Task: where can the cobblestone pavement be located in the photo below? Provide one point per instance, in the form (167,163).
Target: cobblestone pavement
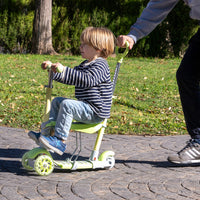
(141,171)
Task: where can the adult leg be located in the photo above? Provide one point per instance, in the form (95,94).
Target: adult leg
(188,78)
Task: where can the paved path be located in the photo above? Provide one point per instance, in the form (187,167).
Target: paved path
(141,171)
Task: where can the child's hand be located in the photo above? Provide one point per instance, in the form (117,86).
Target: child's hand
(57,67)
(46,64)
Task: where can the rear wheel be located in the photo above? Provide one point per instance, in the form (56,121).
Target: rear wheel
(111,161)
(108,158)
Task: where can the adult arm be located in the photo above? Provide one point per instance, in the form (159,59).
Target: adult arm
(154,13)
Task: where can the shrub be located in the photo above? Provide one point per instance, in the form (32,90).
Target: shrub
(16,26)
(70,17)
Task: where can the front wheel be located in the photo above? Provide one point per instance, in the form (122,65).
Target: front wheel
(25,161)
(44,165)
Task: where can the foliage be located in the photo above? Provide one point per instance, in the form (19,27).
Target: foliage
(171,37)
(70,17)
(16,26)
(147,100)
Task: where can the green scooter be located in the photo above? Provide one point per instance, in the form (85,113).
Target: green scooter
(40,159)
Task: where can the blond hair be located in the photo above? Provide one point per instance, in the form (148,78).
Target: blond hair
(100,38)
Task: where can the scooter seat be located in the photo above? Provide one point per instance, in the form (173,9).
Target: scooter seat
(87,128)
(82,127)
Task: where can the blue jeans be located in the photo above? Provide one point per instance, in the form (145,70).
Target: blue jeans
(64,110)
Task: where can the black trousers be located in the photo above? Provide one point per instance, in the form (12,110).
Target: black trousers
(188,79)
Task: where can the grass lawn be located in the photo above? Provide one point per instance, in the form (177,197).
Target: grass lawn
(147,100)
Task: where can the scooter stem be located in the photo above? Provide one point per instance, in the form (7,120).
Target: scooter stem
(48,96)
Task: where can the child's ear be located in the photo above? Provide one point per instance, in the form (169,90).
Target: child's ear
(99,51)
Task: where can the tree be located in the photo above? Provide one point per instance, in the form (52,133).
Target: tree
(42,33)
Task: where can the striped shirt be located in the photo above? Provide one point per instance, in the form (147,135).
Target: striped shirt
(92,84)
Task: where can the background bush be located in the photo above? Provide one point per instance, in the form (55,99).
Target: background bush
(70,17)
(16,20)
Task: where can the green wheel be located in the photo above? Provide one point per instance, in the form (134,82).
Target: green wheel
(44,165)
(25,161)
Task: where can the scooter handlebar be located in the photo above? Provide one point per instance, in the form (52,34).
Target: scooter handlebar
(59,68)
(122,55)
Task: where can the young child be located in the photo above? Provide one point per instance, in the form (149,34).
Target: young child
(93,88)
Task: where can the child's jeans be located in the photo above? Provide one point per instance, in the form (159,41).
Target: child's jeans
(64,110)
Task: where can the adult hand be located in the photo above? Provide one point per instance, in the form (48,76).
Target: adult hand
(122,39)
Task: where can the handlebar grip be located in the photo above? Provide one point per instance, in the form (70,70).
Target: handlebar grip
(124,54)
(49,66)
(59,68)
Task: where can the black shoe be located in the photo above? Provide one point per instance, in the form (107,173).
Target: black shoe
(189,154)
(34,136)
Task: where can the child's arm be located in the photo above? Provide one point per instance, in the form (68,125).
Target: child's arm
(85,78)
(96,74)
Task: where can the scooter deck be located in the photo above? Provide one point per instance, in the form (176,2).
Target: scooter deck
(41,161)
(72,165)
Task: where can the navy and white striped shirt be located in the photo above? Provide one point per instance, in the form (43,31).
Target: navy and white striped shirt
(92,84)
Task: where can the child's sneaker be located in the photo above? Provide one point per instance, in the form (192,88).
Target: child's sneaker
(34,136)
(189,154)
(53,143)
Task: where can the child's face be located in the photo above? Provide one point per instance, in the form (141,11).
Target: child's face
(88,52)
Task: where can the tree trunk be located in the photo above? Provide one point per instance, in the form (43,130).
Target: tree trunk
(42,33)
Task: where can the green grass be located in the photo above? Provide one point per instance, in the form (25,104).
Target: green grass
(147,100)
